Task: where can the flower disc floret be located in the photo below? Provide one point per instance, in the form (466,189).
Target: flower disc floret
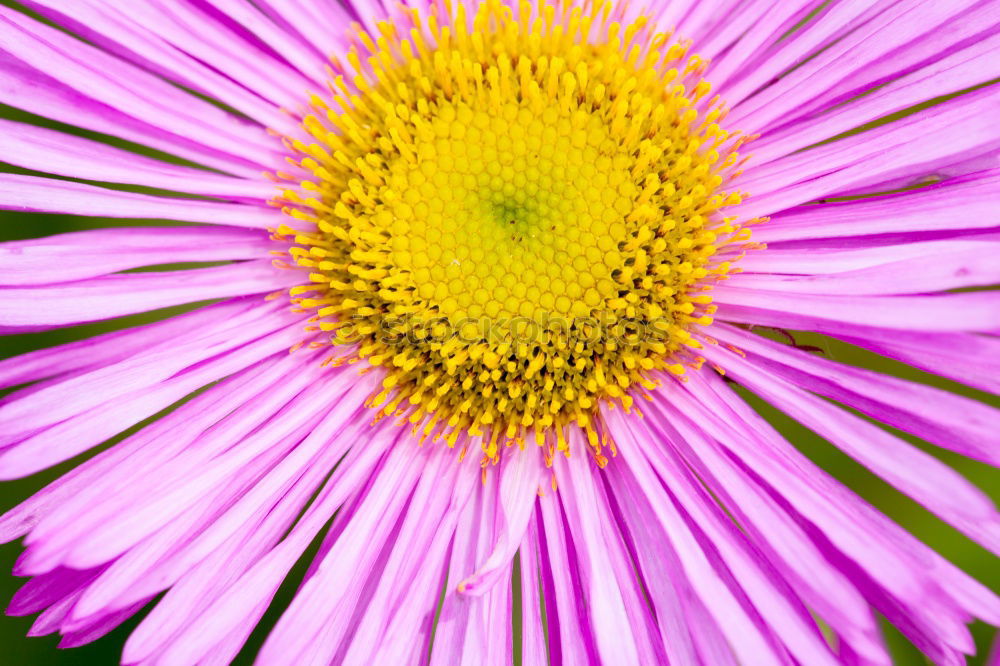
(516,216)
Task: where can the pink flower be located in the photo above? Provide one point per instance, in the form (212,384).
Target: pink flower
(520,254)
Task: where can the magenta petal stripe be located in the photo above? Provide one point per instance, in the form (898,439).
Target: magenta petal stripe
(907,405)
(898,24)
(950,206)
(534,651)
(964,69)
(33,91)
(287,44)
(48,195)
(614,634)
(89,254)
(919,475)
(346,200)
(57,153)
(949,268)
(976,23)
(116,83)
(117,295)
(193,39)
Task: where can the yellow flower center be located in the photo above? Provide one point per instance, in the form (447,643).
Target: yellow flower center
(516,216)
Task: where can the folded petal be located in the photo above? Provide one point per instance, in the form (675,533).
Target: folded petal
(519,481)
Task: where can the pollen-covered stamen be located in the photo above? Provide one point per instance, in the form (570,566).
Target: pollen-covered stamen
(517,219)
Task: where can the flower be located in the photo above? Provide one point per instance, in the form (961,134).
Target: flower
(509,248)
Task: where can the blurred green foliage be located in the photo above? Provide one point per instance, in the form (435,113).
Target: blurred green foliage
(17,650)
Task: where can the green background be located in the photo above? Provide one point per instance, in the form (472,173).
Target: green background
(16,650)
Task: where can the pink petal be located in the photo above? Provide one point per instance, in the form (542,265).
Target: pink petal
(910,148)
(47,195)
(235,605)
(59,153)
(287,43)
(455,639)
(961,424)
(348,564)
(569,628)
(961,203)
(944,312)
(117,295)
(618,632)
(844,258)
(25,87)
(390,629)
(973,25)
(895,26)
(176,42)
(80,433)
(519,479)
(976,266)
(107,79)
(125,458)
(921,476)
(779,609)
(744,635)
(950,74)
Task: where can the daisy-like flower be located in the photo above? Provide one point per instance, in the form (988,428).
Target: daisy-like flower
(520,253)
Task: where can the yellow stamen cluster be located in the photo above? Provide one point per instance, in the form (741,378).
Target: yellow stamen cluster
(515,216)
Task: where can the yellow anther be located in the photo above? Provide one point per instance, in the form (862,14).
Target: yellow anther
(513,221)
